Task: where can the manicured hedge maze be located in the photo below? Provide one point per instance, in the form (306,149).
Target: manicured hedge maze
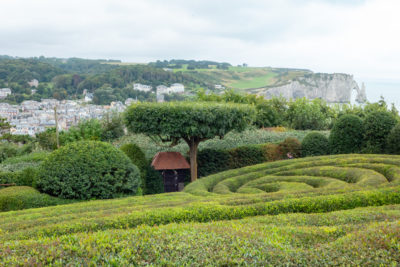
(312,174)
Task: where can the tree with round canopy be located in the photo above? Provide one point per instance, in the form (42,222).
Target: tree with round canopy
(192,122)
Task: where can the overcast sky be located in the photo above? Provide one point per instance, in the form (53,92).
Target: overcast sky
(354,36)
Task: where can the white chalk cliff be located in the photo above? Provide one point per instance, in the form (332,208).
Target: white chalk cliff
(333,88)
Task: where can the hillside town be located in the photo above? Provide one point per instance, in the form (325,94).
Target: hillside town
(31,117)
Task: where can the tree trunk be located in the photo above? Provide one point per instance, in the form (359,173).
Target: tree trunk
(193,144)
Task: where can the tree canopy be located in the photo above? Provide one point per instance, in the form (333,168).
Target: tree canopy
(191,121)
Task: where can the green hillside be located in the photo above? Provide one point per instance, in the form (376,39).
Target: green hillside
(250,79)
(328,210)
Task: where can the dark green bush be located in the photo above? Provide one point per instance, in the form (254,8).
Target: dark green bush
(88,169)
(136,155)
(24,177)
(315,144)
(138,158)
(393,140)
(346,135)
(212,161)
(154,181)
(24,197)
(290,145)
(246,155)
(378,125)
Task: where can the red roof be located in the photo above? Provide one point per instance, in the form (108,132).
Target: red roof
(169,161)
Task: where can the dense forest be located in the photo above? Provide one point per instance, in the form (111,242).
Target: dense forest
(62,79)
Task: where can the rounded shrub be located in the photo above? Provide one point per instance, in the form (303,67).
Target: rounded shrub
(393,140)
(346,135)
(378,125)
(314,144)
(87,170)
(290,145)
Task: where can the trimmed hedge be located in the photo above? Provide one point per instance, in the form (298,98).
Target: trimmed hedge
(347,135)
(88,169)
(377,126)
(24,197)
(211,161)
(245,156)
(209,211)
(138,158)
(315,144)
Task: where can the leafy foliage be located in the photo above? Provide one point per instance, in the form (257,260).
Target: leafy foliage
(325,212)
(378,125)
(315,144)
(213,161)
(312,115)
(88,169)
(245,156)
(191,121)
(154,181)
(393,140)
(290,145)
(347,135)
(138,158)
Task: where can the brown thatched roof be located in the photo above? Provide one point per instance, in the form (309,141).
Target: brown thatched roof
(169,161)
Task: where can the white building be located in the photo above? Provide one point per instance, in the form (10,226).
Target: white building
(142,87)
(219,87)
(88,97)
(162,89)
(34,83)
(177,88)
(4,92)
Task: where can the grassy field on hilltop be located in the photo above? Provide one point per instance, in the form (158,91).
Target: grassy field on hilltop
(245,78)
(327,210)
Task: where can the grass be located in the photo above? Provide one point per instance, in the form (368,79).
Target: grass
(254,82)
(330,210)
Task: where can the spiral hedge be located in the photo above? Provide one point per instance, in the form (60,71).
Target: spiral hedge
(339,210)
(307,175)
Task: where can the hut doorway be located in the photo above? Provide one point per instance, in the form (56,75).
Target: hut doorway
(173,168)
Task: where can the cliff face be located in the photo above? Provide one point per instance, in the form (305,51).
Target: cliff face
(333,88)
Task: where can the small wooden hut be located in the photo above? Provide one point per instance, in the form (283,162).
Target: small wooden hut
(173,168)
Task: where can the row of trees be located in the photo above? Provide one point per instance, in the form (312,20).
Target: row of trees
(191,64)
(299,114)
